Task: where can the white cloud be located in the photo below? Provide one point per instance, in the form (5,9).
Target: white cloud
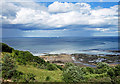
(61,14)
(105,11)
(67,7)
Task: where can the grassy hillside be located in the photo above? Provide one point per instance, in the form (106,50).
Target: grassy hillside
(42,74)
(22,66)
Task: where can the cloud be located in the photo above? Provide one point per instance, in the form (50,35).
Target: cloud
(98,29)
(58,15)
(106,11)
(67,7)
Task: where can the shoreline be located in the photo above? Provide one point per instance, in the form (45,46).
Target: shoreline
(89,52)
(81,59)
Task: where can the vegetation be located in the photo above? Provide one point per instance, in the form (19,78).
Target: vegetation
(73,74)
(42,74)
(87,74)
(12,59)
(6,48)
(8,67)
(22,66)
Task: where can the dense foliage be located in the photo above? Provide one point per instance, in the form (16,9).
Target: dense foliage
(6,48)
(24,57)
(73,74)
(8,67)
(102,73)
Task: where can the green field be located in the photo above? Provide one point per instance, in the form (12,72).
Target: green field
(41,74)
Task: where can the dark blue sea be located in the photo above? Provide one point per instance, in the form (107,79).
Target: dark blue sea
(68,45)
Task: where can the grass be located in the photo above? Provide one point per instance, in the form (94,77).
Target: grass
(41,74)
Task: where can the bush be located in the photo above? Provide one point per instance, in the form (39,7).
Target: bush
(89,76)
(117,70)
(8,67)
(116,80)
(68,65)
(102,65)
(58,66)
(111,72)
(73,74)
(27,78)
(88,70)
(42,66)
(47,78)
(103,80)
(51,67)
(100,71)
(25,57)
(102,68)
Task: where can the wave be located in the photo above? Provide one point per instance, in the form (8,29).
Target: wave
(90,52)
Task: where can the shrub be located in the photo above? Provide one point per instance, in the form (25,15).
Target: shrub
(103,80)
(58,66)
(42,66)
(117,70)
(116,80)
(88,70)
(111,72)
(27,78)
(25,57)
(68,65)
(89,76)
(47,78)
(8,67)
(102,65)
(73,74)
(51,67)
(102,68)
(100,71)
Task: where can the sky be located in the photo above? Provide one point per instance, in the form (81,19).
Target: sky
(58,19)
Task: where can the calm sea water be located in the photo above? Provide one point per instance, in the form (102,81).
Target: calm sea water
(69,45)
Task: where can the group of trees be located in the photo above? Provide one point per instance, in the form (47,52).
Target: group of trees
(102,72)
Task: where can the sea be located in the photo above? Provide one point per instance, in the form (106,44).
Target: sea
(67,45)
